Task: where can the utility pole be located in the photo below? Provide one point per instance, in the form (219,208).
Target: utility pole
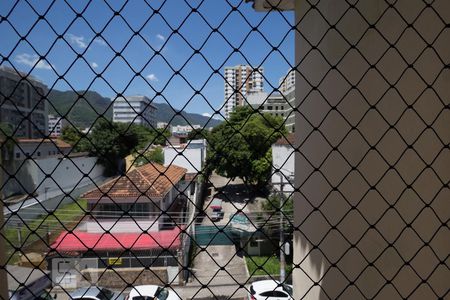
(282,257)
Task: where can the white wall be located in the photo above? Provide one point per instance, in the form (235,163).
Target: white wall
(283,158)
(64,174)
(119,226)
(191,159)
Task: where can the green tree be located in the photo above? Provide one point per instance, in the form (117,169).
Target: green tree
(273,203)
(76,139)
(197,134)
(6,140)
(162,136)
(241,146)
(154,155)
(111,142)
(6,129)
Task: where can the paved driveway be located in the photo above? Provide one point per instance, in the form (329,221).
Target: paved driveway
(221,269)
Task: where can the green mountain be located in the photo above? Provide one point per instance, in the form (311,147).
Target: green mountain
(166,114)
(84,110)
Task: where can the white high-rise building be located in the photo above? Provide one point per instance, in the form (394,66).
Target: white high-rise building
(134,109)
(55,125)
(288,82)
(240,81)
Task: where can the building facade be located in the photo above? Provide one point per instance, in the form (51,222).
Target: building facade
(283,164)
(287,82)
(163,125)
(134,109)
(240,81)
(23,105)
(184,130)
(190,156)
(276,104)
(55,125)
(289,96)
(132,203)
(39,148)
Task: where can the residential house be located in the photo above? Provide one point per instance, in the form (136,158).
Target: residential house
(131,220)
(191,156)
(135,201)
(39,148)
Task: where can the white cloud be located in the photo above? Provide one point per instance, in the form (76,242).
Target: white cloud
(152,77)
(160,37)
(77,40)
(100,41)
(94,65)
(206,115)
(32,60)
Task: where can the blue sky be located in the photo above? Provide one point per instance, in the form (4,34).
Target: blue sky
(81,55)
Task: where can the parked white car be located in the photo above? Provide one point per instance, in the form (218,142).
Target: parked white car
(95,293)
(152,292)
(270,290)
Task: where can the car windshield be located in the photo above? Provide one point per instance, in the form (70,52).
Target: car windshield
(105,294)
(162,294)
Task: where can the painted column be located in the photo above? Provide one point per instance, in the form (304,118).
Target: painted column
(4,294)
(373,166)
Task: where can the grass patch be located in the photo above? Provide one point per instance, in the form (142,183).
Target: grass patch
(265,265)
(34,233)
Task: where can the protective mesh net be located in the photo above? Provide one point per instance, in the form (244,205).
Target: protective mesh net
(108,190)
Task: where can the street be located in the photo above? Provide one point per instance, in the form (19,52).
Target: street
(220,267)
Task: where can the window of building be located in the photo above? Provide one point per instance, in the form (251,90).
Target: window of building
(121,210)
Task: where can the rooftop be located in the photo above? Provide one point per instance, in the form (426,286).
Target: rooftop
(58,142)
(151,180)
(85,241)
(286,140)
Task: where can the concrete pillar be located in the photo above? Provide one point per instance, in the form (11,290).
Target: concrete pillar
(4,294)
(373,167)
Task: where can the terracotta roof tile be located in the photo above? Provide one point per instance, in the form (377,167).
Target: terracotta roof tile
(151,180)
(287,140)
(58,142)
(61,144)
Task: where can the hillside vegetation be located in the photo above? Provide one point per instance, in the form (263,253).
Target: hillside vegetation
(84,109)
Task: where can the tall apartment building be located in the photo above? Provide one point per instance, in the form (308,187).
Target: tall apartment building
(240,81)
(134,109)
(288,82)
(23,104)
